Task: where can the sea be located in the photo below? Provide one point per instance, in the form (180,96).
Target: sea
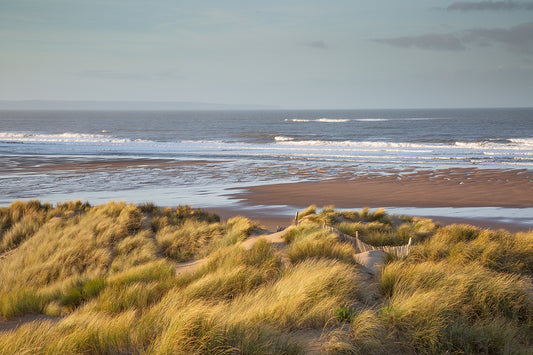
(221,151)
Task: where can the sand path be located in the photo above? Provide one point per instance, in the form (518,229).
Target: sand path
(17,322)
(370,261)
(194,265)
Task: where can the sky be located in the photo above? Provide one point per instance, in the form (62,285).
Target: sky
(335,54)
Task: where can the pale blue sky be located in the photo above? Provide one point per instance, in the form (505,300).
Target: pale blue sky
(293,54)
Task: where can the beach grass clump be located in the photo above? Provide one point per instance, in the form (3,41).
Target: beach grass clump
(310,210)
(129,296)
(345,313)
(320,244)
(159,270)
(61,249)
(160,218)
(69,209)
(296,232)
(485,292)
(181,242)
(233,271)
(135,250)
(306,296)
(260,258)
(21,220)
(18,209)
(366,334)
(373,233)
(77,334)
(186,212)
(376,228)
(226,284)
(350,215)
(311,241)
(440,308)
(80,291)
(429,302)
(379,215)
(21,230)
(149,208)
(497,250)
(19,302)
(196,330)
(237,229)
(326,216)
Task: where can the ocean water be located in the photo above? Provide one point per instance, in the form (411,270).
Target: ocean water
(244,148)
(498,138)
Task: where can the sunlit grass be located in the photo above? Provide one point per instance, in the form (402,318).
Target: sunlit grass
(107,275)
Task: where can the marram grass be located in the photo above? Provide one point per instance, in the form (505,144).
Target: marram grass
(106,277)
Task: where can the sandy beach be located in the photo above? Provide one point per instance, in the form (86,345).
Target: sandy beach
(440,188)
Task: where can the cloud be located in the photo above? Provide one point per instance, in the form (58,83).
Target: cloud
(114,75)
(438,42)
(316,44)
(518,39)
(490,6)
(108,74)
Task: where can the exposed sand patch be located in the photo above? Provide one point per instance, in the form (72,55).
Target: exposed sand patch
(274,238)
(371,261)
(311,340)
(189,266)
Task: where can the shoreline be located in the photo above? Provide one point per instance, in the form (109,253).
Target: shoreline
(432,193)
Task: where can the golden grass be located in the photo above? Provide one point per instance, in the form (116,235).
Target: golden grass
(315,243)
(183,241)
(109,272)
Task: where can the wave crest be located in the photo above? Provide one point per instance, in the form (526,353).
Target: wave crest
(322,120)
(283,139)
(67,137)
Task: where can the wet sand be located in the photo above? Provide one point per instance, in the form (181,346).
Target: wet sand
(440,188)
(84,165)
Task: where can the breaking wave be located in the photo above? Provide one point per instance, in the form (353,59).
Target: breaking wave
(322,120)
(67,137)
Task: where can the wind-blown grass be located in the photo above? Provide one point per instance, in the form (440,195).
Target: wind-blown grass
(107,273)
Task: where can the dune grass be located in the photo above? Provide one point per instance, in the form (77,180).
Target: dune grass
(107,275)
(376,227)
(307,241)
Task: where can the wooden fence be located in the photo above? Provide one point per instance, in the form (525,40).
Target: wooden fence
(361,247)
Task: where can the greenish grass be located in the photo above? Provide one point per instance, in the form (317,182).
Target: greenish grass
(19,302)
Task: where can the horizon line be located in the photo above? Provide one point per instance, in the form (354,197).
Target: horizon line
(203,106)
